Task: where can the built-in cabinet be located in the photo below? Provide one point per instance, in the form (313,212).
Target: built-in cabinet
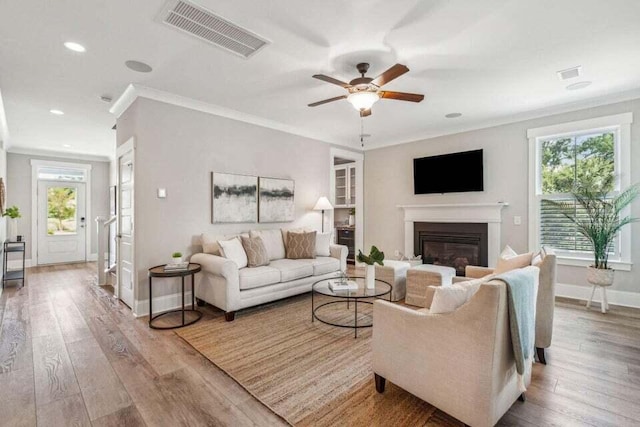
(345,186)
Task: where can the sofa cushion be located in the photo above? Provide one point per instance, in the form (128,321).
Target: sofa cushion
(210,244)
(292,269)
(233,250)
(323,242)
(507,264)
(324,265)
(301,245)
(273,242)
(257,277)
(448,298)
(256,252)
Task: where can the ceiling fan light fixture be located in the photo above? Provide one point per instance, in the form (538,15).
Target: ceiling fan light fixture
(363,100)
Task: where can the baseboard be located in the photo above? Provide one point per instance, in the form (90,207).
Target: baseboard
(160,304)
(17,263)
(615,297)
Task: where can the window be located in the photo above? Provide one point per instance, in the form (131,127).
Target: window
(51,173)
(61,210)
(588,151)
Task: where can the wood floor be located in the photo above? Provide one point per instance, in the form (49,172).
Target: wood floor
(72,355)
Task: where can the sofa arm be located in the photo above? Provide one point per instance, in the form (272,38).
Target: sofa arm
(476,272)
(340,252)
(219,284)
(215,264)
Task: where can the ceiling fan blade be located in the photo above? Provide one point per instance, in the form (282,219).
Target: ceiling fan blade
(401,96)
(325,101)
(392,73)
(365,113)
(331,80)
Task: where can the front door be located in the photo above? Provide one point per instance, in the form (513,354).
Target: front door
(125,274)
(61,222)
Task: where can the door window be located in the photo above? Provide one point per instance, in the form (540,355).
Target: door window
(61,210)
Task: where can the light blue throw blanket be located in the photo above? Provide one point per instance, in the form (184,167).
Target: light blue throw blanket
(521,300)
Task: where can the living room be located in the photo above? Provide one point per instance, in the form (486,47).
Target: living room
(357,232)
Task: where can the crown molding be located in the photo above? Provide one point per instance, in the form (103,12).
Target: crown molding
(134,91)
(58,154)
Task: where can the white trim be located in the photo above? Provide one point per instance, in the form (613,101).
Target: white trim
(35,165)
(359,160)
(4,127)
(128,146)
(621,123)
(17,263)
(134,91)
(622,298)
(161,304)
(58,154)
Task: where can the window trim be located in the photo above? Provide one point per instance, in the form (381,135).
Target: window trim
(622,124)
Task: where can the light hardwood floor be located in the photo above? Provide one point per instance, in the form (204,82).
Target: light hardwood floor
(72,355)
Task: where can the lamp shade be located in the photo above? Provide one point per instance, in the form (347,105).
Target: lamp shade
(363,100)
(323,204)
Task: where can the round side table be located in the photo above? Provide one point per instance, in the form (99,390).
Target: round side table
(159,271)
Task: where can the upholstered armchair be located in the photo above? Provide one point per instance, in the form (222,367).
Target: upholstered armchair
(461,362)
(546,261)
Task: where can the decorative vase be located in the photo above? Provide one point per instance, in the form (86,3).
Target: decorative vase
(600,276)
(370,276)
(352,220)
(12,231)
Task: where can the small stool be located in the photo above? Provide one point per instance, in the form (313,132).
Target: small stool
(423,276)
(394,273)
(604,305)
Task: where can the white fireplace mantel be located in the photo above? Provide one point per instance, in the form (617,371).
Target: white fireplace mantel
(489,213)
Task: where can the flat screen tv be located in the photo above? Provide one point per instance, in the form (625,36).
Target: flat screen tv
(448,173)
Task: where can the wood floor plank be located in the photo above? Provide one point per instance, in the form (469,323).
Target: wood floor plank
(125,417)
(17,399)
(69,411)
(15,336)
(54,375)
(71,322)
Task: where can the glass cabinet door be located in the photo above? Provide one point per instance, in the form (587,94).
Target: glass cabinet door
(352,185)
(341,187)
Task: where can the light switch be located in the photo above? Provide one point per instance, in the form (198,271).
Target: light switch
(517,220)
(162,193)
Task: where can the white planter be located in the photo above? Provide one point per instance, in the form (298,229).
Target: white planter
(352,220)
(370,276)
(176,260)
(600,276)
(12,229)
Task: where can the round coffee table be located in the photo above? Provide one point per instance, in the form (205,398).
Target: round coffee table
(348,298)
(159,271)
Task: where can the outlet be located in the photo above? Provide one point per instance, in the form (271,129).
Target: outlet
(517,220)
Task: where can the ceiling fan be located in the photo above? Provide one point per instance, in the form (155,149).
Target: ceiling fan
(365,91)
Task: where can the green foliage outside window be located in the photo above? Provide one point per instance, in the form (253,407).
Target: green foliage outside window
(61,203)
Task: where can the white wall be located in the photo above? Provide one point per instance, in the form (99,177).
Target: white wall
(19,193)
(389,182)
(178,148)
(3,220)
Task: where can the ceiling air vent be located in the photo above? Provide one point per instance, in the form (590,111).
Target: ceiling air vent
(570,73)
(202,23)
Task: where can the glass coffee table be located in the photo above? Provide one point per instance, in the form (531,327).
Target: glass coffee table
(350,299)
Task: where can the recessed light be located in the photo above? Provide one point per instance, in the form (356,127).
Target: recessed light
(138,66)
(56,112)
(453,115)
(579,85)
(66,145)
(76,47)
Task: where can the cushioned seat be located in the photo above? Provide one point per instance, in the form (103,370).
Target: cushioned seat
(256,277)
(292,269)
(324,265)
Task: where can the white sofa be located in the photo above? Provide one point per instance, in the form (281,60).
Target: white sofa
(224,285)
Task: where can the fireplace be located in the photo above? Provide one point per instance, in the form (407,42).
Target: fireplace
(452,244)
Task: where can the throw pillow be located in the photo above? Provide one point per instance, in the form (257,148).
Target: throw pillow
(210,244)
(301,245)
(448,298)
(273,242)
(256,252)
(323,242)
(233,250)
(515,262)
(508,252)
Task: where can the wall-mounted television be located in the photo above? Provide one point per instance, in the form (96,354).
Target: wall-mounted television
(449,173)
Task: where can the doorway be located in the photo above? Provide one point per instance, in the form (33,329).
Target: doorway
(125,213)
(60,208)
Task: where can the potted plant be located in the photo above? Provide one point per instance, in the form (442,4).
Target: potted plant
(597,216)
(13,213)
(176,257)
(375,256)
(352,216)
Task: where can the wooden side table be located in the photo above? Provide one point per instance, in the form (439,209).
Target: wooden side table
(159,271)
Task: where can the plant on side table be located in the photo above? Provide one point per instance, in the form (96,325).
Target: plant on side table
(176,257)
(375,256)
(13,213)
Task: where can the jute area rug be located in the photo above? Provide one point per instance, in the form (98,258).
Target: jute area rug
(308,373)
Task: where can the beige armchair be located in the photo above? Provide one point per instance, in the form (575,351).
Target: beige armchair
(461,362)
(546,296)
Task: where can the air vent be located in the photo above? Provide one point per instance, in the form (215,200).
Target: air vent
(202,23)
(570,73)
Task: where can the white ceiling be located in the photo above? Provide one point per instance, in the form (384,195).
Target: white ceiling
(492,60)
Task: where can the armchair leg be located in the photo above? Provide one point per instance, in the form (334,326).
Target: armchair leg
(540,353)
(229,316)
(522,398)
(380,383)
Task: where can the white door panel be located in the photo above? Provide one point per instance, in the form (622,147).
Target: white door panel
(126,273)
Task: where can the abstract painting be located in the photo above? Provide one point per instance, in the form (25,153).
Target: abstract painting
(276,200)
(235,198)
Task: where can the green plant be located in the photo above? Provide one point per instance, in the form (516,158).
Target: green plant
(12,212)
(375,256)
(352,211)
(599,217)
(177,255)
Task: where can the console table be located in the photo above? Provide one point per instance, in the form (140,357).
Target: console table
(14,274)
